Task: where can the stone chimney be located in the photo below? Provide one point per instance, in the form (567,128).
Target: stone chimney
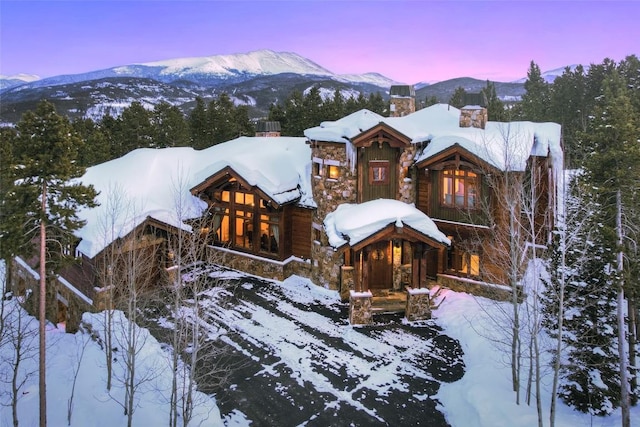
(265,128)
(474,113)
(403,100)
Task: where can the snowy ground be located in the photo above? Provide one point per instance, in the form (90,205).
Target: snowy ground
(300,363)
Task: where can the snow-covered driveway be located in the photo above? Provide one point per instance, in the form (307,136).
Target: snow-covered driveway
(298,361)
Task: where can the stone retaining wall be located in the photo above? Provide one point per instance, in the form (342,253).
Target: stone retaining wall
(263,267)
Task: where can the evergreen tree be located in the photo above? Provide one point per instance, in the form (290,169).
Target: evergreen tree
(277,114)
(430,100)
(200,132)
(294,123)
(457,99)
(568,107)
(135,129)
(312,111)
(333,109)
(12,242)
(495,107)
(45,156)
(613,166)
(220,115)
(109,127)
(535,101)
(96,148)
(581,289)
(376,104)
(352,105)
(170,128)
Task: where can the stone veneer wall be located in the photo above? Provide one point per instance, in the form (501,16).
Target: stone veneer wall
(263,267)
(406,178)
(482,289)
(418,305)
(476,117)
(402,106)
(328,194)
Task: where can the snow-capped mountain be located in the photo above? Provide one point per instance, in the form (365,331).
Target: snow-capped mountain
(256,79)
(265,62)
(16,80)
(213,70)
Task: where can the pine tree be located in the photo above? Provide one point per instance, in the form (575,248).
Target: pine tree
(376,104)
(170,128)
(535,101)
(568,106)
(96,148)
(11,221)
(135,129)
(430,100)
(45,156)
(200,133)
(495,107)
(457,99)
(613,169)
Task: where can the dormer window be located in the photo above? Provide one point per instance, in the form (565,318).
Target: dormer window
(459,189)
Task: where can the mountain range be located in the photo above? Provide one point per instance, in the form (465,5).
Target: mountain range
(256,79)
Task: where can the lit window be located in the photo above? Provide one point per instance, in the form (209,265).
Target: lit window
(333,172)
(460,189)
(378,172)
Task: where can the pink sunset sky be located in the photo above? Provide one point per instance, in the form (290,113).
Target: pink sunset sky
(408,41)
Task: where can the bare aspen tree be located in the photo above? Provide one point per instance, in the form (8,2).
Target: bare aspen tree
(191,349)
(567,257)
(115,211)
(516,212)
(19,333)
(76,371)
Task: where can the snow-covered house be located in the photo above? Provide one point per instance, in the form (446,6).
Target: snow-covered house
(370,206)
(444,162)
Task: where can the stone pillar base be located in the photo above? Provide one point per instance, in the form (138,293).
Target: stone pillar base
(360,308)
(418,304)
(346,282)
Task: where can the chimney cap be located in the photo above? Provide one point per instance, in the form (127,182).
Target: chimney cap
(402,91)
(268,126)
(475,98)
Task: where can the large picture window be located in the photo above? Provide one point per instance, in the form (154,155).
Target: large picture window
(460,189)
(242,220)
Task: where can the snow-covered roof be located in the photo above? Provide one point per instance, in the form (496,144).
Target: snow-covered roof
(279,166)
(352,223)
(503,145)
(156,183)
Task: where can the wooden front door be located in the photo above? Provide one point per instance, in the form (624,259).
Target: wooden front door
(379,267)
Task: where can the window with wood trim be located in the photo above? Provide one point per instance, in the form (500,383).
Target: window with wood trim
(317,233)
(460,189)
(378,172)
(317,168)
(464,263)
(242,220)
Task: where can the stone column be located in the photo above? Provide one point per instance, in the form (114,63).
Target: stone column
(418,304)
(347,282)
(360,308)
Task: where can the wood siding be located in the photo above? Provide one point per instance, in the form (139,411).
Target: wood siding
(299,235)
(367,191)
(428,200)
